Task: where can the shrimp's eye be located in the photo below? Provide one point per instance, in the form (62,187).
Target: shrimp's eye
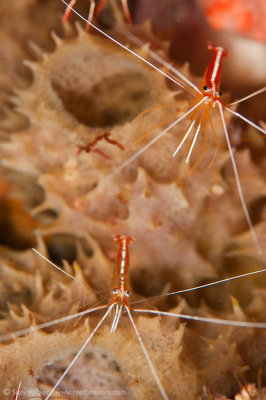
(220,93)
(115,290)
(205,88)
(127,293)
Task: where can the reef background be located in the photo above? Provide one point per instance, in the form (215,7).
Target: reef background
(189,227)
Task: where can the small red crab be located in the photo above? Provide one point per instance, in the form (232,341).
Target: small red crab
(90,146)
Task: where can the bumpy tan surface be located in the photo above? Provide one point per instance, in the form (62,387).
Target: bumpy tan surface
(188,228)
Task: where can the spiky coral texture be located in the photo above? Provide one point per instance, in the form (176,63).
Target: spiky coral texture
(184,224)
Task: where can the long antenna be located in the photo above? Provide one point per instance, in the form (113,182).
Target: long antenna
(154,373)
(154,140)
(246,120)
(240,191)
(80,351)
(203,286)
(56,266)
(124,47)
(134,39)
(247,97)
(45,325)
(218,321)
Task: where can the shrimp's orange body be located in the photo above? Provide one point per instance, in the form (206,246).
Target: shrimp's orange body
(213,73)
(120,280)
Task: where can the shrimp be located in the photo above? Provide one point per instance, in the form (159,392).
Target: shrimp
(120,303)
(121,275)
(207,97)
(95,10)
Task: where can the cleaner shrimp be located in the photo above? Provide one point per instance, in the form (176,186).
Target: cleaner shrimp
(207,97)
(121,303)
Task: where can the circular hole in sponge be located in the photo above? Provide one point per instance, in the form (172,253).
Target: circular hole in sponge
(101,91)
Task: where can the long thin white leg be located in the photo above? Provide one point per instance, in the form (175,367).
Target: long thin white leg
(126,11)
(154,140)
(193,143)
(91,13)
(185,137)
(55,266)
(247,97)
(242,324)
(153,371)
(203,286)
(124,47)
(116,319)
(35,328)
(246,120)
(80,351)
(61,270)
(68,10)
(239,187)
